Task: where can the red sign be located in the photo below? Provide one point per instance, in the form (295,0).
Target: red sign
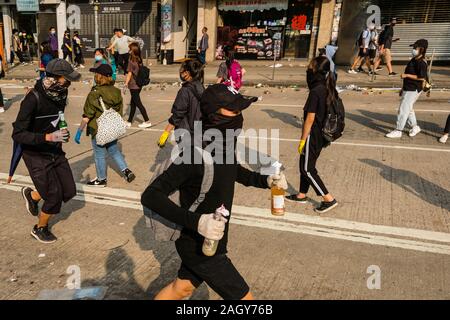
(299,22)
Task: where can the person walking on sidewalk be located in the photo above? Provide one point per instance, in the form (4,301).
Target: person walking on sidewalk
(322,93)
(222,112)
(36,130)
(2,75)
(363,42)
(134,64)
(112,98)
(203,46)
(413,81)
(67,47)
(230,71)
(46,57)
(77,49)
(100,57)
(385,41)
(186,108)
(53,40)
(16,48)
(120,44)
(444,138)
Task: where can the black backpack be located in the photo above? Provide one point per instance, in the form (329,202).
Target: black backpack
(143,76)
(360,39)
(334,124)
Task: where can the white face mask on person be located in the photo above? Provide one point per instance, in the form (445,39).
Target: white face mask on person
(415,53)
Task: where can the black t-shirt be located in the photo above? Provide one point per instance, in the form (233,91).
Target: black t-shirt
(418,68)
(317,103)
(388,36)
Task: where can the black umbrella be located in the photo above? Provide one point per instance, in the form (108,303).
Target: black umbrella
(15,159)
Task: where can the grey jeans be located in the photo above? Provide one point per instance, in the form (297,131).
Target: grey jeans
(406,111)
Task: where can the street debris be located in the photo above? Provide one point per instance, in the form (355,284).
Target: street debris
(41,255)
(90,293)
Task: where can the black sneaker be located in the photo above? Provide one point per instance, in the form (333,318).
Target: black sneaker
(32,206)
(43,235)
(326,206)
(129,175)
(97,183)
(360,69)
(293,197)
(392,74)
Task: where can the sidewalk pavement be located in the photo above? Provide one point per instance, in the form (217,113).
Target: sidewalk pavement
(287,73)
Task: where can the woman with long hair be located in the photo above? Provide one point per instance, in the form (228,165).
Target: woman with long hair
(413,80)
(134,64)
(100,57)
(67,47)
(230,71)
(186,108)
(76,41)
(104,88)
(322,93)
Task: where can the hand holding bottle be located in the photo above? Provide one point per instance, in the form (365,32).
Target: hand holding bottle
(58,136)
(211,228)
(277,180)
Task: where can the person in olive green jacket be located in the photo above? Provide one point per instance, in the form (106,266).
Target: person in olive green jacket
(112,98)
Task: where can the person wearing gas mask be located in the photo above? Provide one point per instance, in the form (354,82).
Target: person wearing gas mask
(222,111)
(36,129)
(413,81)
(186,107)
(322,93)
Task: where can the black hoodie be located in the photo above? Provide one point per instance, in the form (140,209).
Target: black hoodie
(317,99)
(186,108)
(34,121)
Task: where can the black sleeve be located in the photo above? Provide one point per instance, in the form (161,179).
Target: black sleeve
(250,178)
(180,107)
(156,196)
(312,104)
(21,133)
(422,70)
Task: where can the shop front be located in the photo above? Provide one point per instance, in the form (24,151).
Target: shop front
(265,29)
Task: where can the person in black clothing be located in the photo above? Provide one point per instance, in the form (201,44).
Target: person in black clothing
(444,137)
(221,110)
(186,108)
(322,93)
(385,41)
(36,129)
(67,47)
(413,81)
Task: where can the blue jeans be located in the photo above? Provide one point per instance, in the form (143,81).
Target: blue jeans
(100,157)
(202,57)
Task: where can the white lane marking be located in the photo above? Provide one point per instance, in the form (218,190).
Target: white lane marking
(131,199)
(281,225)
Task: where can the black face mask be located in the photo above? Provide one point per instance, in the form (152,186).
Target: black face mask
(222,123)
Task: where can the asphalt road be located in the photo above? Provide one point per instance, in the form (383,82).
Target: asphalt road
(393,215)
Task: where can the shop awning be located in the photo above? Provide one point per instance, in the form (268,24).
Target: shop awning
(252,5)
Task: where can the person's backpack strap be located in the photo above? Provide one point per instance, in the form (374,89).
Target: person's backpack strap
(208,177)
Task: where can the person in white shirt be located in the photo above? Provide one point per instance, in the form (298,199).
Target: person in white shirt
(364,42)
(120,43)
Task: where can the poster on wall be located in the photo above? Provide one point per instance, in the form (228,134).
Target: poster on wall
(166,20)
(27,5)
(254,42)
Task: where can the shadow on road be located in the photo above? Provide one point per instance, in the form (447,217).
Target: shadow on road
(284,117)
(165,253)
(414,184)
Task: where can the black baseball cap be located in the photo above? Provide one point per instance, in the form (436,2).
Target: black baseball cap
(60,67)
(422,43)
(221,96)
(103,69)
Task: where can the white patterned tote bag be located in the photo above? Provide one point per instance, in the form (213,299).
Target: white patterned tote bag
(110,124)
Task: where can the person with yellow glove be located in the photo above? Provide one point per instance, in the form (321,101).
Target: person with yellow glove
(322,86)
(186,107)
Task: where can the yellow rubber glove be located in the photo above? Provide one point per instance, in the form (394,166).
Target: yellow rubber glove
(301,146)
(163,139)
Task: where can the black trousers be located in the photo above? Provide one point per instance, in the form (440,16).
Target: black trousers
(52,178)
(122,61)
(308,159)
(1,99)
(67,54)
(20,56)
(137,103)
(447,125)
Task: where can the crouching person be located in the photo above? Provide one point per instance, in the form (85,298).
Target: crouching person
(36,129)
(221,111)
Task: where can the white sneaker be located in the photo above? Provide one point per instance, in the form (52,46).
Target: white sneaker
(2,109)
(351,71)
(146,124)
(128,124)
(414,131)
(81,66)
(444,138)
(394,134)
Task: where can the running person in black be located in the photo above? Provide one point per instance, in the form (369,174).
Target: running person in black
(322,92)
(221,111)
(36,129)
